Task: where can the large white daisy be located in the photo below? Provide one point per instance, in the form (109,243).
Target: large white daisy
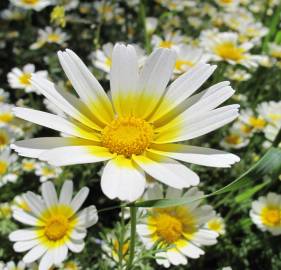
(56,225)
(139,130)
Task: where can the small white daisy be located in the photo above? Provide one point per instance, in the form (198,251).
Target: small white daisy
(171,40)
(56,225)
(20,78)
(248,117)
(6,115)
(216,224)
(28,165)
(7,136)
(180,229)
(266,213)
(7,167)
(47,171)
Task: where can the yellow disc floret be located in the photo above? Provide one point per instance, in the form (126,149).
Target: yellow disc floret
(127,136)
(229,51)
(30,2)
(271,216)
(25,78)
(56,228)
(169,228)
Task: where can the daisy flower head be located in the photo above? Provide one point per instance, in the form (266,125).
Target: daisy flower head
(56,225)
(171,40)
(20,78)
(7,136)
(47,171)
(136,131)
(266,213)
(216,224)
(49,36)
(271,112)
(36,5)
(7,167)
(256,122)
(6,115)
(187,57)
(181,229)
(225,46)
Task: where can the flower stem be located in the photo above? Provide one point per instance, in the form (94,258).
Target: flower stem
(121,241)
(133,213)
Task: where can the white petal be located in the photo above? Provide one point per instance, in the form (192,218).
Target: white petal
(23,235)
(123,77)
(196,155)
(47,260)
(60,254)
(25,245)
(86,86)
(25,218)
(88,217)
(205,237)
(175,257)
(145,230)
(34,254)
(70,155)
(36,204)
(78,234)
(122,179)
(191,250)
(34,147)
(183,87)
(167,170)
(75,246)
(173,193)
(79,199)
(154,78)
(66,192)
(49,194)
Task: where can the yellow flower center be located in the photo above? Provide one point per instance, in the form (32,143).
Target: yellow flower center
(28,165)
(271,216)
(246,129)
(127,136)
(258,123)
(6,117)
(233,139)
(25,78)
(183,64)
(71,266)
(169,228)
(3,139)
(3,167)
(56,227)
(30,2)
(53,37)
(47,171)
(108,62)
(215,225)
(229,51)
(166,44)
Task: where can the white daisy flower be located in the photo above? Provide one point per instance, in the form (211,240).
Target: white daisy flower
(13,266)
(46,171)
(7,136)
(226,47)
(237,74)
(171,40)
(56,225)
(271,112)
(36,5)
(216,224)
(20,78)
(7,166)
(6,115)
(138,131)
(49,35)
(257,123)
(253,32)
(266,213)
(107,10)
(236,20)
(187,57)
(180,229)
(270,133)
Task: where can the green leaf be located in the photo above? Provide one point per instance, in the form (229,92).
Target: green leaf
(269,164)
(250,192)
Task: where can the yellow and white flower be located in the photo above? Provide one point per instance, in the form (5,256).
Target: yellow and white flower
(180,229)
(7,136)
(139,130)
(229,4)
(28,165)
(171,40)
(70,265)
(20,78)
(266,213)
(56,225)
(36,5)
(47,171)
(248,117)
(271,112)
(252,32)
(187,57)
(49,36)
(225,46)
(6,115)
(13,266)
(216,224)
(237,74)
(7,167)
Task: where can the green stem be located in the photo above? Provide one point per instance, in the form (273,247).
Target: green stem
(142,15)
(121,242)
(133,213)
